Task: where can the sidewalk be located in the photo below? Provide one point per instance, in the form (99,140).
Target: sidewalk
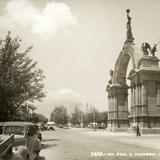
(148,140)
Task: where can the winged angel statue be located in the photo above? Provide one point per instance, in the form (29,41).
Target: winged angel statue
(146,48)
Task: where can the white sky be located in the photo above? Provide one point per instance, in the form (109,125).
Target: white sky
(77,42)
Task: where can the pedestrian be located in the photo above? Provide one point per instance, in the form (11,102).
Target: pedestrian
(138,130)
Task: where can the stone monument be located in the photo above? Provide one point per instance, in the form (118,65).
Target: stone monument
(144,86)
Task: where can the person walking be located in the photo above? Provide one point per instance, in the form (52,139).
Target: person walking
(138,130)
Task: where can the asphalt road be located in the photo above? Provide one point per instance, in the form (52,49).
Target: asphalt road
(80,144)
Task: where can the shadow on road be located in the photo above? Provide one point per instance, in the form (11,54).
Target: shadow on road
(48,140)
(45,146)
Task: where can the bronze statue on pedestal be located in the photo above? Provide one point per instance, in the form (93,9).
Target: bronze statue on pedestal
(146,48)
(129,29)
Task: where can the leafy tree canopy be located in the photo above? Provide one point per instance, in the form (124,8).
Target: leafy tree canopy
(39,118)
(20,79)
(59,115)
(77,116)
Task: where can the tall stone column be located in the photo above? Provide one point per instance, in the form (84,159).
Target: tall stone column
(126,108)
(134,102)
(131,95)
(158,93)
(143,99)
(115,108)
(134,97)
(118,110)
(139,94)
(137,100)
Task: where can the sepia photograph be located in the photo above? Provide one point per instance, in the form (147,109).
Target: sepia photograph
(79,80)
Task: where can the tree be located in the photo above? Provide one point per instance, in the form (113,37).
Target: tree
(95,116)
(89,117)
(20,79)
(104,116)
(59,115)
(77,116)
(92,115)
(38,118)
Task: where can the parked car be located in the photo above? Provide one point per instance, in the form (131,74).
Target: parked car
(25,134)
(60,126)
(44,127)
(101,125)
(50,126)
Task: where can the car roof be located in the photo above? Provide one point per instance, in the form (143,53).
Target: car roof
(1,123)
(50,122)
(17,123)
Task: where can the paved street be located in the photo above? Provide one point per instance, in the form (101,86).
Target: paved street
(82,144)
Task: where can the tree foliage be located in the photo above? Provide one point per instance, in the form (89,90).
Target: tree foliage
(20,79)
(104,116)
(96,116)
(93,115)
(38,118)
(77,116)
(59,115)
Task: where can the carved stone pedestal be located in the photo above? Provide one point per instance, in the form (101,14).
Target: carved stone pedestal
(118,108)
(145,95)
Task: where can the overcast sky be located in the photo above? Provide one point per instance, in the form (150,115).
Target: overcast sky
(77,42)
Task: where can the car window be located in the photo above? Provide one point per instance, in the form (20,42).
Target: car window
(1,129)
(18,130)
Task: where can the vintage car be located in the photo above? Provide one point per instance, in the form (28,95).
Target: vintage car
(25,134)
(50,126)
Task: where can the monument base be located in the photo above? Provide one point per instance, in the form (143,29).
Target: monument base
(117,129)
(150,130)
(145,130)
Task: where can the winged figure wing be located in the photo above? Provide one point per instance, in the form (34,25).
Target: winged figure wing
(154,49)
(148,46)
